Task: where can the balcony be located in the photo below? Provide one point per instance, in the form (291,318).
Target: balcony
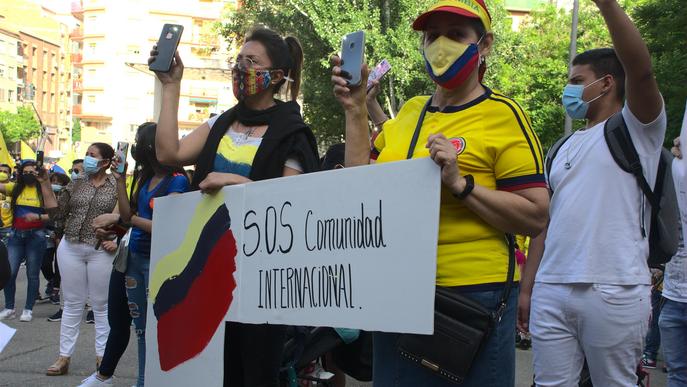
(76,59)
(76,109)
(76,34)
(77,9)
(77,85)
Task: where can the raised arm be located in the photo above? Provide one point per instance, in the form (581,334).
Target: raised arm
(643,96)
(169,148)
(352,99)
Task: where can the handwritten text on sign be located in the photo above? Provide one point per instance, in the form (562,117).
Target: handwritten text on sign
(351,248)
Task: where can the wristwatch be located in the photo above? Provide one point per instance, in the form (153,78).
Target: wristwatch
(469,186)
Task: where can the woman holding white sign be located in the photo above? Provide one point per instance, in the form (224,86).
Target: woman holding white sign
(493,183)
(259,138)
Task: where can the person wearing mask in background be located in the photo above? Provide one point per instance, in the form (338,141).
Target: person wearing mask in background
(492,180)
(151,180)
(85,271)
(50,268)
(673,319)
(259,138)
(590,298)
(27,238)
(77,169)
(5,205)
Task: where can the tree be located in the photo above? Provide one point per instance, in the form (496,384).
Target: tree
(21,125)
(533,63)
(662,24)
(76,130)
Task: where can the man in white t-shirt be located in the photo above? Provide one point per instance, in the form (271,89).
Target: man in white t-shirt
(673,319)
(591,296)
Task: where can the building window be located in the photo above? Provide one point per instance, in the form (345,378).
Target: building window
(91,99)
(9,95)
(91,48)
(2,94)
(133,50)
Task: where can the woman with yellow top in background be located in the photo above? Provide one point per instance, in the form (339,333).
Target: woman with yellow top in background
(492,174)
(27,236)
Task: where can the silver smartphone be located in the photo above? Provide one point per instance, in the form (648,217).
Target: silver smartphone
(352,57)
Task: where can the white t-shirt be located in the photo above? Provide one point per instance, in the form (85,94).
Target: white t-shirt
(675,277)
(594,234)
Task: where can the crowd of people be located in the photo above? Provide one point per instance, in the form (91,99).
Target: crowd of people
(583,292)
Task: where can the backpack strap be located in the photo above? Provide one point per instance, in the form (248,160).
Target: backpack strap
(625,155)
(551,154)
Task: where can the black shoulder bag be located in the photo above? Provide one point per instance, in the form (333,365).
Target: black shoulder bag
(461,325)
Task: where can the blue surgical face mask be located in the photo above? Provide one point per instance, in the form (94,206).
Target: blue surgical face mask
(75,175)
(90,165)
(575,106)
(56,187)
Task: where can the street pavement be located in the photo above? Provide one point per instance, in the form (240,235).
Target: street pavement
(35,347)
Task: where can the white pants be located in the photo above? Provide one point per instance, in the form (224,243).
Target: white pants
(604,323)
(85,275)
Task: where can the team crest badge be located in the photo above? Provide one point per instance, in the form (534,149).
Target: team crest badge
(459,143)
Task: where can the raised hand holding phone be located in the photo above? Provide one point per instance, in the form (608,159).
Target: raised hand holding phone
(352,57)
(377,73)
(122,148)
(166,48)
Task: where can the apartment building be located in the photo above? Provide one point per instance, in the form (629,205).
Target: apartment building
(43,72)
(10,61)
(116,89)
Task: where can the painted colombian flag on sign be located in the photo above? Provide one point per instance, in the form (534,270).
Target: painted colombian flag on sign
(191,288)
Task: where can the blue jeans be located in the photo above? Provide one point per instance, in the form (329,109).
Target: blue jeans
(653,337)
(29,244)
(136,280)
(673,324)
(493,367)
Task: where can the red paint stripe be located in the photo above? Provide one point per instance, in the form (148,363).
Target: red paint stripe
(184,331)
(463,74)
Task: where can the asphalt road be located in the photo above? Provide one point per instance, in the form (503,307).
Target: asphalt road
(35,347)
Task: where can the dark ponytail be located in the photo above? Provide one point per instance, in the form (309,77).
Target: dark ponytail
(286,54)
(296,51)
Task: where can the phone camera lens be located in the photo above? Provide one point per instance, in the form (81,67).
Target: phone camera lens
(352,45)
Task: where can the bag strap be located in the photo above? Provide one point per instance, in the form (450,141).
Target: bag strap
(510,239)
(418,127)
(625,155)
(498,313)
(553,151)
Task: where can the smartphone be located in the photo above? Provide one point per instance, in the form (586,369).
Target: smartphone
(378,72)
(352,56)
(122,149)
(39,159)
(166,47)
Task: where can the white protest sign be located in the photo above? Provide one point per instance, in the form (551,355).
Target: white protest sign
(352,248)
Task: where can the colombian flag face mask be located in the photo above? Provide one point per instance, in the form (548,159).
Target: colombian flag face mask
(450,63)
(249,81)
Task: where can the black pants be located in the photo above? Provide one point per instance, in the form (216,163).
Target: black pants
(120,324)
(253,354)
(50,274)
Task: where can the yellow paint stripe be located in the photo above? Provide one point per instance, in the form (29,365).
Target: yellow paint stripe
(174,263)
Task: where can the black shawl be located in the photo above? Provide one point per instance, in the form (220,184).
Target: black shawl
(287,136)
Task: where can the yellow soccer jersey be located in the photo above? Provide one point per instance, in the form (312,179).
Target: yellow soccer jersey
(497,146)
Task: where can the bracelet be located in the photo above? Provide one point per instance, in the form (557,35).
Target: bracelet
(469,186)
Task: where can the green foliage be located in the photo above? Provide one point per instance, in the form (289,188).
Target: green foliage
(76,129)
(21,125)
(532,64)
(529,65)
(663,26)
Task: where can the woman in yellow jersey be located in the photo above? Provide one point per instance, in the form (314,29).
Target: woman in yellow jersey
(27,237)
(492,175)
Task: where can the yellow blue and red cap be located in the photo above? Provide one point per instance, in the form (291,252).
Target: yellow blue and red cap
(476,9)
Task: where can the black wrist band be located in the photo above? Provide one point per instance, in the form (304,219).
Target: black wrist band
(469,186)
